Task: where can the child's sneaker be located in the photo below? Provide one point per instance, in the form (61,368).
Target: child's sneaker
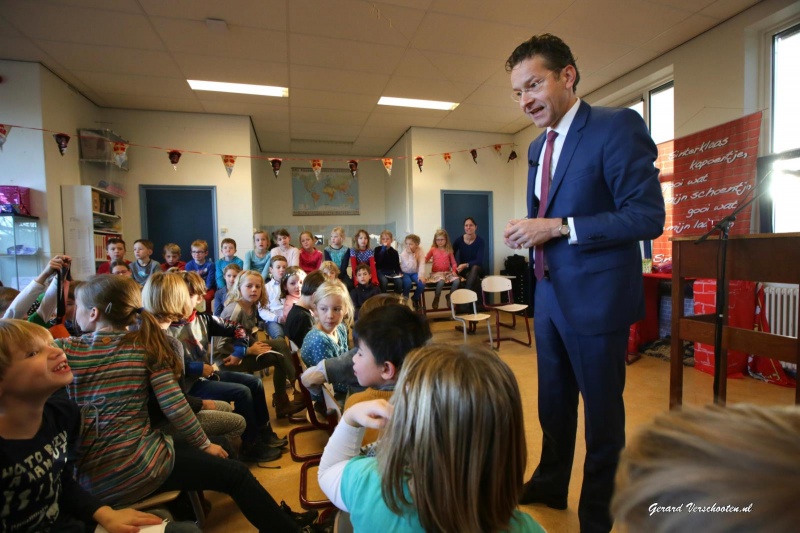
(258,452)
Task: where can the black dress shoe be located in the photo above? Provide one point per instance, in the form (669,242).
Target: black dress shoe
(530,495)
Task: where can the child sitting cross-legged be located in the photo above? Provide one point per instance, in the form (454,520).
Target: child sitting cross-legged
(38,431)
(384,337)
(452,456)
(122,457)
(364,288)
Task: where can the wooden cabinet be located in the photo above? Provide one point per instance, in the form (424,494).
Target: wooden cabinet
(91,217)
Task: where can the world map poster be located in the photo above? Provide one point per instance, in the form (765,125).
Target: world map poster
(334,193)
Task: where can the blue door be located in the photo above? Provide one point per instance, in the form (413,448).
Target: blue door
(458,205)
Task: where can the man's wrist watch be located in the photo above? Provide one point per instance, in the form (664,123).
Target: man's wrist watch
(563,230)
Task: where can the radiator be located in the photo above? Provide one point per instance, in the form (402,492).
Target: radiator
(780,308)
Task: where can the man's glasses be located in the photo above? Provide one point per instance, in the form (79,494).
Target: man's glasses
(533,88)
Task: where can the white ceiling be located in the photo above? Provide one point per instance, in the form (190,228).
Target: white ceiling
(338,57)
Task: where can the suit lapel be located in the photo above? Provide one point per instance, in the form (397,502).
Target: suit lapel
(568,150)
(534,152)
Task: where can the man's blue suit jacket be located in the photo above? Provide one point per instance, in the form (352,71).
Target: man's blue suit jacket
(606,180)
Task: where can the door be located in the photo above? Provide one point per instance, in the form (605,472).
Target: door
(179,215)
(458,205)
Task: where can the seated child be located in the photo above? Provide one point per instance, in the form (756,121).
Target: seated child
(205,267)
(215,382)
(143,266)
(38,431)
(310,257)
(227,256)
(231,271)
(339,255)
(331,271)
(291,285)
(387,263)
(122,458)
(7,295)
(444,267)
(364,288)
(299,320)
(412,263)
(172,257)
(121,268)
(258,258)
(272,312)
(285,248)
(362,253)
(454,438)
(242,305)
(384,337)
(116,252)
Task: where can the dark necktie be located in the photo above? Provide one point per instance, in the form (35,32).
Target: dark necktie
(546,178)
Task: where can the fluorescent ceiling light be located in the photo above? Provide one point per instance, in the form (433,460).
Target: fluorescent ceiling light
(424,104)
(240,88)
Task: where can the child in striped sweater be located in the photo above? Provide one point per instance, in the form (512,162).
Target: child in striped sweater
(123,459)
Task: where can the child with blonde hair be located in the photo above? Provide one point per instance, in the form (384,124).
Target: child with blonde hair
(362,253)
(310,257)
(172,257)
(246,297)
(443,269)
(387,263)
(334,311)
(412,264)
(291,286)
(144,266)
(122,458)
(339,254)
(330,270)
(205,268)
(454,422)
(258,258)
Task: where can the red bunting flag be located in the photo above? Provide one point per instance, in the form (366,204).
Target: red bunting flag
(4,131)
(316,166)
(447,158)
(387,164)
(353,167)
(174,157)
(62,140)
(418,159)
(228,161)
(474,154)
(498,149)
(120,153)
(276,165)
(512,156)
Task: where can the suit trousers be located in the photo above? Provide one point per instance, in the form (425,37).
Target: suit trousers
(571,363)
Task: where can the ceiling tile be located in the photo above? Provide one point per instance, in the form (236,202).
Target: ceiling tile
(275,114)
(490,95)
(265,14)
(470,125)
(321,148)
(22,49)
(627,63)
(626,22)
(441,90)
(343,54)
(592,55)
(535,15)
(107,59)
(323,130)
(724,9)
(373,146)
(392,125)
(485,113)
(254,99)
(680,33)
(332,100)
(148,102)
(336,116)
(361,21)
(136,85)
(692,6)
(272,143)
(193,37)
(338,80)
(417,64)
(441,32)
(44,20)
(128,6)
(7,29)
(232,70)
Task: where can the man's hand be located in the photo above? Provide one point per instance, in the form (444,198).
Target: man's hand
(530,232)
(124,520)
(258,348)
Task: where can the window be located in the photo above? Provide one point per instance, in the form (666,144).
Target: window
(657,107)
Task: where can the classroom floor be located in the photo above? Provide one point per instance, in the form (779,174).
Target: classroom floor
(646,395)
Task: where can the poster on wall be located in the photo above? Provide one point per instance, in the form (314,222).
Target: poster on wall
(334,193)
(704,177)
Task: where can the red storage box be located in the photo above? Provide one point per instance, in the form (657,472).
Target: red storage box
(15,200)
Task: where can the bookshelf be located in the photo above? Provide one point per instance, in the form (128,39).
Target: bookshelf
(91,217)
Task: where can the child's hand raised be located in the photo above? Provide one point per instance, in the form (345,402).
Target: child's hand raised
(374,414)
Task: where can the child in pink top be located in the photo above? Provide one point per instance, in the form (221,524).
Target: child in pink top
(310,257)
(444,267)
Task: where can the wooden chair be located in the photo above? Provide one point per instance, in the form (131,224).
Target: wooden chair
(499,285)
(334,415)
(162,498)
(466,296)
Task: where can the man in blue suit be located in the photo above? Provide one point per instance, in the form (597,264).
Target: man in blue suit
(593,194)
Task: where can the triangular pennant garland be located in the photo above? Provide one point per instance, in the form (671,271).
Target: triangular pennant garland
(512,156)
(474,154)
(419,160)
(498,149)
(62,140)
(4,131)
(353,167)
(447,158)
(276,165)
(174,157)
(316,166)
(228,161)
(387,164)
(120,154)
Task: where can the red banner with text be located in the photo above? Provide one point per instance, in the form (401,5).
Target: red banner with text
(704,177)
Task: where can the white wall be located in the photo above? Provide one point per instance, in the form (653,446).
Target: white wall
(492,173)
(399,201)
(213,134)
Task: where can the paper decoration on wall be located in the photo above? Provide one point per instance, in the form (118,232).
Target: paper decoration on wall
(228,161)
(62,140)
(419,160)
(474,154)
(174,157)
(512,156)
(387,164)
(4,131)
(120,153)
(446,156)
(316,166)
(276,165)
(498,149)
(353,167)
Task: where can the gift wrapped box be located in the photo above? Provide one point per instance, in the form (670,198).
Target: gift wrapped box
(15,200)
